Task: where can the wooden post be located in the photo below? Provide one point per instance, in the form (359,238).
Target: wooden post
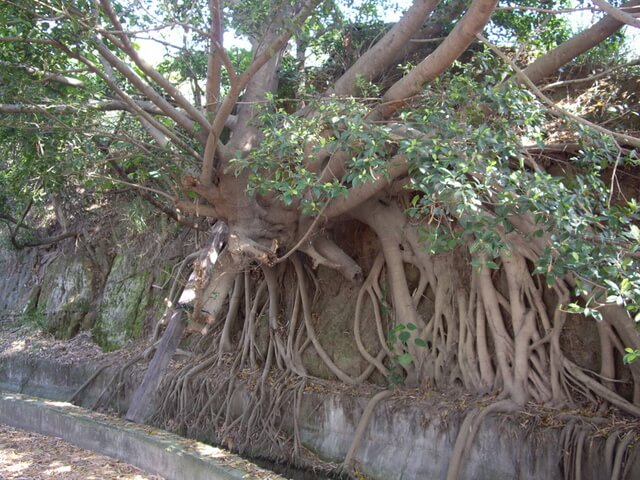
(141,404)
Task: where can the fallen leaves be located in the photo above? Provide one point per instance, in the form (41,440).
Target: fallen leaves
(30,456)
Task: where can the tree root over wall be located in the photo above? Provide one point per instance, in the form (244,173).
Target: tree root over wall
(494,329)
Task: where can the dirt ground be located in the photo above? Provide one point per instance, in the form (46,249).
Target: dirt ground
(30,456)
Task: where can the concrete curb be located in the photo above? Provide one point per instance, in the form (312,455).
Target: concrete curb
(150,449)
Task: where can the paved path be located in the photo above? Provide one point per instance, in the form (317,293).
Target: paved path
(153,450)
(25,455)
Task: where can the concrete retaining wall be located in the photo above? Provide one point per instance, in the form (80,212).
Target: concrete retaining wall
(150,449)
(404,441)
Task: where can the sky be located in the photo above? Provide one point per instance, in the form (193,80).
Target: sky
(154,53)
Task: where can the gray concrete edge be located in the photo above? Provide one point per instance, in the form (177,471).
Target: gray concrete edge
(147,448)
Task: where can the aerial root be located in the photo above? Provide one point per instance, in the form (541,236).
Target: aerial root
(468,431)
(115,386)
(81,389)
(621,454)
(347,464)
(492,330)
(572,443)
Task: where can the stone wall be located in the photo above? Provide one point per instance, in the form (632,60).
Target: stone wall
(117,292)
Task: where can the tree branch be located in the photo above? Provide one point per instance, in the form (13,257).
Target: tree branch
(231,99)
(135,108)
(396,167)
(379,57)
(101,106)
(47,76)
(144,88)
(127,48)
(551,105)
(591,78)
(550,62)
(442,57)
(27,40)
(149,198)
(215,59)
(617,13)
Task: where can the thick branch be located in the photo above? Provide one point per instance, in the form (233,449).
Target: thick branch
(237,87)
(144,88)
(126,98)
(447,52)
(126,46)
(214,65)
(617,13)
(567,51)
(397,167)
(380,57)
(101,106)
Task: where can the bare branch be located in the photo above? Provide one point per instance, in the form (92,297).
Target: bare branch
(214,62)
(396,167)
(45,241)
(551,105)
(126,98)
(590,78)
(126,46)
(234,93)
(144,88)
(46,76)
(545,10)
(617,13)
(26,40)
(196,209)
(104,106)
(144,193)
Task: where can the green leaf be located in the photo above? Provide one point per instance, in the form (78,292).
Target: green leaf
(411,326)
(420,342)
(404,336)
(404,359)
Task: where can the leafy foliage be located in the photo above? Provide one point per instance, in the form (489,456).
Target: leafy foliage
(469,177)
(466,140)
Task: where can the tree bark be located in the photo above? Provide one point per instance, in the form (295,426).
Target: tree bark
(575,46)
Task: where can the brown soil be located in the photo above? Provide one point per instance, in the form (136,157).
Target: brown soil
(30,456)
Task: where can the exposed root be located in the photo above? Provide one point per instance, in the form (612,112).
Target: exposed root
(468,431)
(496,328)
(362,427)
(82,388)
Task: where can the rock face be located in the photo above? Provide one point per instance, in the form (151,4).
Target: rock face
(65,296)
(17,280)
(68,289)
(125,299)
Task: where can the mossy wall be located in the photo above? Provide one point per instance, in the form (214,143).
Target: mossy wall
(124,301)
(65,296)
(113,287)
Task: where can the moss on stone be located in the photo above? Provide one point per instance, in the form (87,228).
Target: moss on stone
(65,296)
(121,312)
